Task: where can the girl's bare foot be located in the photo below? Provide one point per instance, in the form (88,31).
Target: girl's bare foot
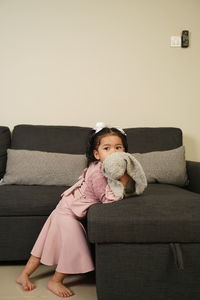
(59,289)
(23,279)
(25,282)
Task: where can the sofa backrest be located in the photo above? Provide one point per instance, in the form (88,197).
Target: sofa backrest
(5,136)
(148,139)
(72,139)
(60,139)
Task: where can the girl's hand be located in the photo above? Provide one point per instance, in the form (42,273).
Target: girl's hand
(124,179)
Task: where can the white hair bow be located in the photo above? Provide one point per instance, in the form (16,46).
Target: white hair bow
(100,125)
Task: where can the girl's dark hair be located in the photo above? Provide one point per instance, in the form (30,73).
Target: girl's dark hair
(94,140)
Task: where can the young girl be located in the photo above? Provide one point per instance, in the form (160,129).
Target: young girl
(62,240)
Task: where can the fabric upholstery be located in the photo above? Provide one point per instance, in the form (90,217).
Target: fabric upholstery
(60,139)
(43,168)
(193,171)
(70,139)
(148,139)
(5,137)
(24,200)
(18,234)
(163,213)
(146,272)
(164,166)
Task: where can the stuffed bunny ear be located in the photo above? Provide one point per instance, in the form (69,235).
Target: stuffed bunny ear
(136,172)
(130,165)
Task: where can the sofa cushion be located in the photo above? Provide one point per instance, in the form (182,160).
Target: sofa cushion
(148,139)
(164,166)
(43,168)
(5,137)
(59,139)
(24,200)
(163,213)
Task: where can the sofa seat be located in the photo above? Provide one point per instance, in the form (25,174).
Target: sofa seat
(29,200)
(22,215)
(164,213)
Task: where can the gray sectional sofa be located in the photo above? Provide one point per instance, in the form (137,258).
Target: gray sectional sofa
(146,247)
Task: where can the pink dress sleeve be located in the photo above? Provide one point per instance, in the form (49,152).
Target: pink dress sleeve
(101,189)
(90,189)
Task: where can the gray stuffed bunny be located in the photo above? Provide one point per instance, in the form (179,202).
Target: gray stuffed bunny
(118,163)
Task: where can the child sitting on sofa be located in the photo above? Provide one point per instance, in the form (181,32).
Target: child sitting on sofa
(62,240)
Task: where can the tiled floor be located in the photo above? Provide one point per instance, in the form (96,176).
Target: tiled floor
(83,286)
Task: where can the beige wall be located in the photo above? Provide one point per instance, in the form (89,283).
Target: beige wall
(75,62)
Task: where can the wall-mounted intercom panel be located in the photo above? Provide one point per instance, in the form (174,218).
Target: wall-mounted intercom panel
(185,39)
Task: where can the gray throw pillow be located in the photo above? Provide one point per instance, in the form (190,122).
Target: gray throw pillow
(164,166)
(43,168)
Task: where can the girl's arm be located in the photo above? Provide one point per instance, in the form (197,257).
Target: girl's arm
(125,179)
(101,188)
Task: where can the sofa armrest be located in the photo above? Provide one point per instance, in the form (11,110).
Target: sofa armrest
(193,171)
(5,140)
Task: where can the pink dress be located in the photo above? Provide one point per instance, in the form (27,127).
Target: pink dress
(62,240)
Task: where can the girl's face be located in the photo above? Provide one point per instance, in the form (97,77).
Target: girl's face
(108,145)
